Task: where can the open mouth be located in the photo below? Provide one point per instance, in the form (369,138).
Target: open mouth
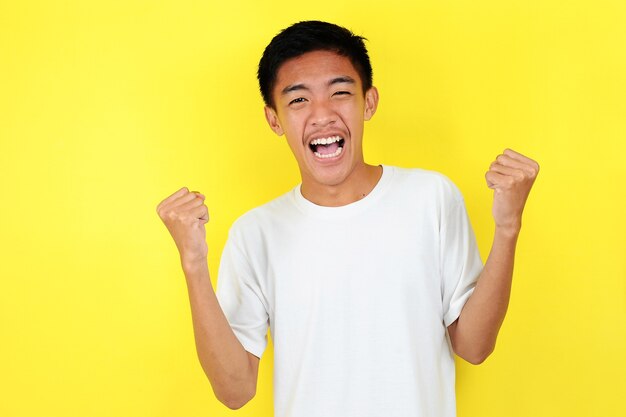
(330,147)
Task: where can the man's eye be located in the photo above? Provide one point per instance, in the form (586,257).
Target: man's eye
(297,100)
(342,93)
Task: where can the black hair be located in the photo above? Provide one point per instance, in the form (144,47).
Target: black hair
(309,36)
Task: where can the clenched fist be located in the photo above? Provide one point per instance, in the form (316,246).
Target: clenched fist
(185,214)
(511,176)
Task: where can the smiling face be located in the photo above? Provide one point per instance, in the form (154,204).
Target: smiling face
(321,109)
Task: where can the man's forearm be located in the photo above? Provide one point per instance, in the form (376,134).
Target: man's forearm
(474,333)
(231,370)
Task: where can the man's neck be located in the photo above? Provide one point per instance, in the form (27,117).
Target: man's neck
(355,187)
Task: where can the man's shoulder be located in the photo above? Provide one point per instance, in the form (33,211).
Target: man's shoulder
(274,210)
(418,174)
(424,182)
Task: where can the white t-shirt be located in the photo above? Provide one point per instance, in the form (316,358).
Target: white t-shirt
(357,298)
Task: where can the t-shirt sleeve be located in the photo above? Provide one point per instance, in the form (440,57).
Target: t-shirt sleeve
(240,297)
(461,263)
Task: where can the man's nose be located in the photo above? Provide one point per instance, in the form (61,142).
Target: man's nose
(323,114)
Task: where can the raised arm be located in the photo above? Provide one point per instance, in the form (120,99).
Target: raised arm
(231,370)
(473,334)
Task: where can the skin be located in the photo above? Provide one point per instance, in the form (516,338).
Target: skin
(320,94)
(231,370)
(473,335)
(317,95)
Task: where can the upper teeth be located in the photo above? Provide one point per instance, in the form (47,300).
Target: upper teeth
(326,141)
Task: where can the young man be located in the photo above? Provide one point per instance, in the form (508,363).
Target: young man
(367,276)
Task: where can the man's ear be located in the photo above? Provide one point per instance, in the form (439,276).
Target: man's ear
(371,102)
(272,120)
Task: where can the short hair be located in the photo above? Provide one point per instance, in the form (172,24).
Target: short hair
(309,36)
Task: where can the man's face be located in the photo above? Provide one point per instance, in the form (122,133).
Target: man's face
(321,109)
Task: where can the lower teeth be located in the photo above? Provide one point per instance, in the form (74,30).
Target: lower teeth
(329,155)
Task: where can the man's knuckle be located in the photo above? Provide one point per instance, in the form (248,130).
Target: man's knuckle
(172,214)
(162,212)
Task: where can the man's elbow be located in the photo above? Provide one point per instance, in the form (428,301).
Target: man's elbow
(234,389)
(476,355)
(472,351)
(235,400)
(235,394)
(233,404)
(476,359)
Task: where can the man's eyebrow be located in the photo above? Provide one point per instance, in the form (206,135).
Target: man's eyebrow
(294,87)
(337,80)
(342,79)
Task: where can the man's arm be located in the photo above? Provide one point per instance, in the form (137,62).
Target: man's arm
(231,370)
(473,334)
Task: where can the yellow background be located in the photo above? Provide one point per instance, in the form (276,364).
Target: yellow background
(106,107)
